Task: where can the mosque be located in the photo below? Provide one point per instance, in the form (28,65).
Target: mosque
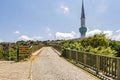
(83,28)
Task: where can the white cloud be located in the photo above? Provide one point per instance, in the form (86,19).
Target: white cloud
(73,33)
(108,33)
(1,40)
(64,9)
(25,38)
(93,32)
(60,35)
(17,32)
(118,31)
(116,35)
(97,31)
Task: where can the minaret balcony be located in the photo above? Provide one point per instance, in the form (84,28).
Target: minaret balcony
(82,29)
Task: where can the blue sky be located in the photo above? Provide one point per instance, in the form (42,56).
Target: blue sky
(57,19)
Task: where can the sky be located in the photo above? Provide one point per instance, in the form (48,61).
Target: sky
(57,19)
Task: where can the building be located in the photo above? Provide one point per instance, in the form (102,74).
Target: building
(83,28)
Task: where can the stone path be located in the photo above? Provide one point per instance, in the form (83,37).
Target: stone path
(49,66)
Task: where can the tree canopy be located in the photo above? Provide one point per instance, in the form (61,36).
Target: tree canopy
(98,44)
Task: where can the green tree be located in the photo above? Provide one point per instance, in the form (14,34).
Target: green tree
(98,44)
(116,46)
(13,53)
(95,41)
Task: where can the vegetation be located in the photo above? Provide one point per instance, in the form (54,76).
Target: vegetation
(4,50)
(115,45)
(98,44)
(8,51)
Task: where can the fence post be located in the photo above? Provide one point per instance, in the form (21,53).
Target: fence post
(64,53)
(76,57)
(69,54)
(118,69)
(97,64)
(18,54)
(85,57)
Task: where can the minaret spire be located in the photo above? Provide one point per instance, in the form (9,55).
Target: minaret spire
(82,13)
(82,29)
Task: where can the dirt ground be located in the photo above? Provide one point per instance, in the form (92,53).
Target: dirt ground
(10,70)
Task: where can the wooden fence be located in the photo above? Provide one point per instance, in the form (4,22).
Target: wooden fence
(105,67)
(108,67)
(27,52)
(35,48)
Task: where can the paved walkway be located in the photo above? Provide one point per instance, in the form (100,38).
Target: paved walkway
(49,66)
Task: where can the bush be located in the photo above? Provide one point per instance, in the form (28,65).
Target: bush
(98,44)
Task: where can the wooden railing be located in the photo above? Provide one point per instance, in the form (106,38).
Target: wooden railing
(35,48)
(104,67)
(29,51)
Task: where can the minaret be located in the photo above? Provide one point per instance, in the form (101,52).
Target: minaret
(83,29)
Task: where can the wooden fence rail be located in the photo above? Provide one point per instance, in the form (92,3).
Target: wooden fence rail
(27,52)
(35,48)
(101,65)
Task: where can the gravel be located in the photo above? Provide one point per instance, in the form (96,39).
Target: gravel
(14,70)
(49,66)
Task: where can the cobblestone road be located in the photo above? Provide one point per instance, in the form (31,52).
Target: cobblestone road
(49,66)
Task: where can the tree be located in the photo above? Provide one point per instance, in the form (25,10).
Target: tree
(98,44)
(116,46)
(95,41)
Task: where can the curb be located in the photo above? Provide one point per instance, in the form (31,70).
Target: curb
(33,57)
